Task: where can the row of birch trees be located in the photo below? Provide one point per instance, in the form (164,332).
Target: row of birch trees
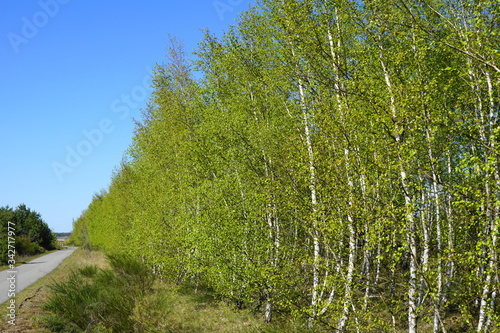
(331,161)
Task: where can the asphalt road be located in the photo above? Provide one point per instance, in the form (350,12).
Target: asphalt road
(25,275)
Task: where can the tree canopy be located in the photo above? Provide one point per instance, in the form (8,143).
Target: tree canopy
(337,162)
(31,234)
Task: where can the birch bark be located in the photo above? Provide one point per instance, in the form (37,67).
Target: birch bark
(410,220)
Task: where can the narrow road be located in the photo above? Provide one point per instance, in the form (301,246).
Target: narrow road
(25,275)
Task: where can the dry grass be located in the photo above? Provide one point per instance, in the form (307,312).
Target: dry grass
(168,310)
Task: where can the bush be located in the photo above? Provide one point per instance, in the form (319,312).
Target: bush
(98,300)
(135,272)
(25,246)
(32,234)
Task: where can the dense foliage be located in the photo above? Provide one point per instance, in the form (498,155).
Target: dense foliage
(336,163)
(31,234)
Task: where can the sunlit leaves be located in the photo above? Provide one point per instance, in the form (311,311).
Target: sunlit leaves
(400,101)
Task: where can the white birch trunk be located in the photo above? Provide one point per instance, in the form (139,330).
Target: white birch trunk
(412,306)
(437,214)
(494,227)
(412,288)
(274,239)
(451,234)
(439,296)
(425,252)
(341,326)
(488,302)
(314,203)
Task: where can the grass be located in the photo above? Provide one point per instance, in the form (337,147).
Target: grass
(31,300)
(92,298)
(168,310)
(124,304)
(95,285)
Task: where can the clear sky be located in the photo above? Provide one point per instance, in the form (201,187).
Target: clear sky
(73,74)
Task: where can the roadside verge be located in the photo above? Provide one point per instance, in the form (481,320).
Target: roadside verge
(29,302)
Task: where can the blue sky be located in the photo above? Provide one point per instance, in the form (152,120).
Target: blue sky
(73,74)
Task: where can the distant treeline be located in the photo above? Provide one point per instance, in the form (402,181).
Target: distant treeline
(62,234)
(334,162)
(32,234)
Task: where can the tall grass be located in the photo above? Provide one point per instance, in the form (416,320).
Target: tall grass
(99,300)
(126,298)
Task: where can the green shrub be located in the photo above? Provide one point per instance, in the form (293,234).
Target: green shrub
(25,246)
(98,300)
(138,275)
